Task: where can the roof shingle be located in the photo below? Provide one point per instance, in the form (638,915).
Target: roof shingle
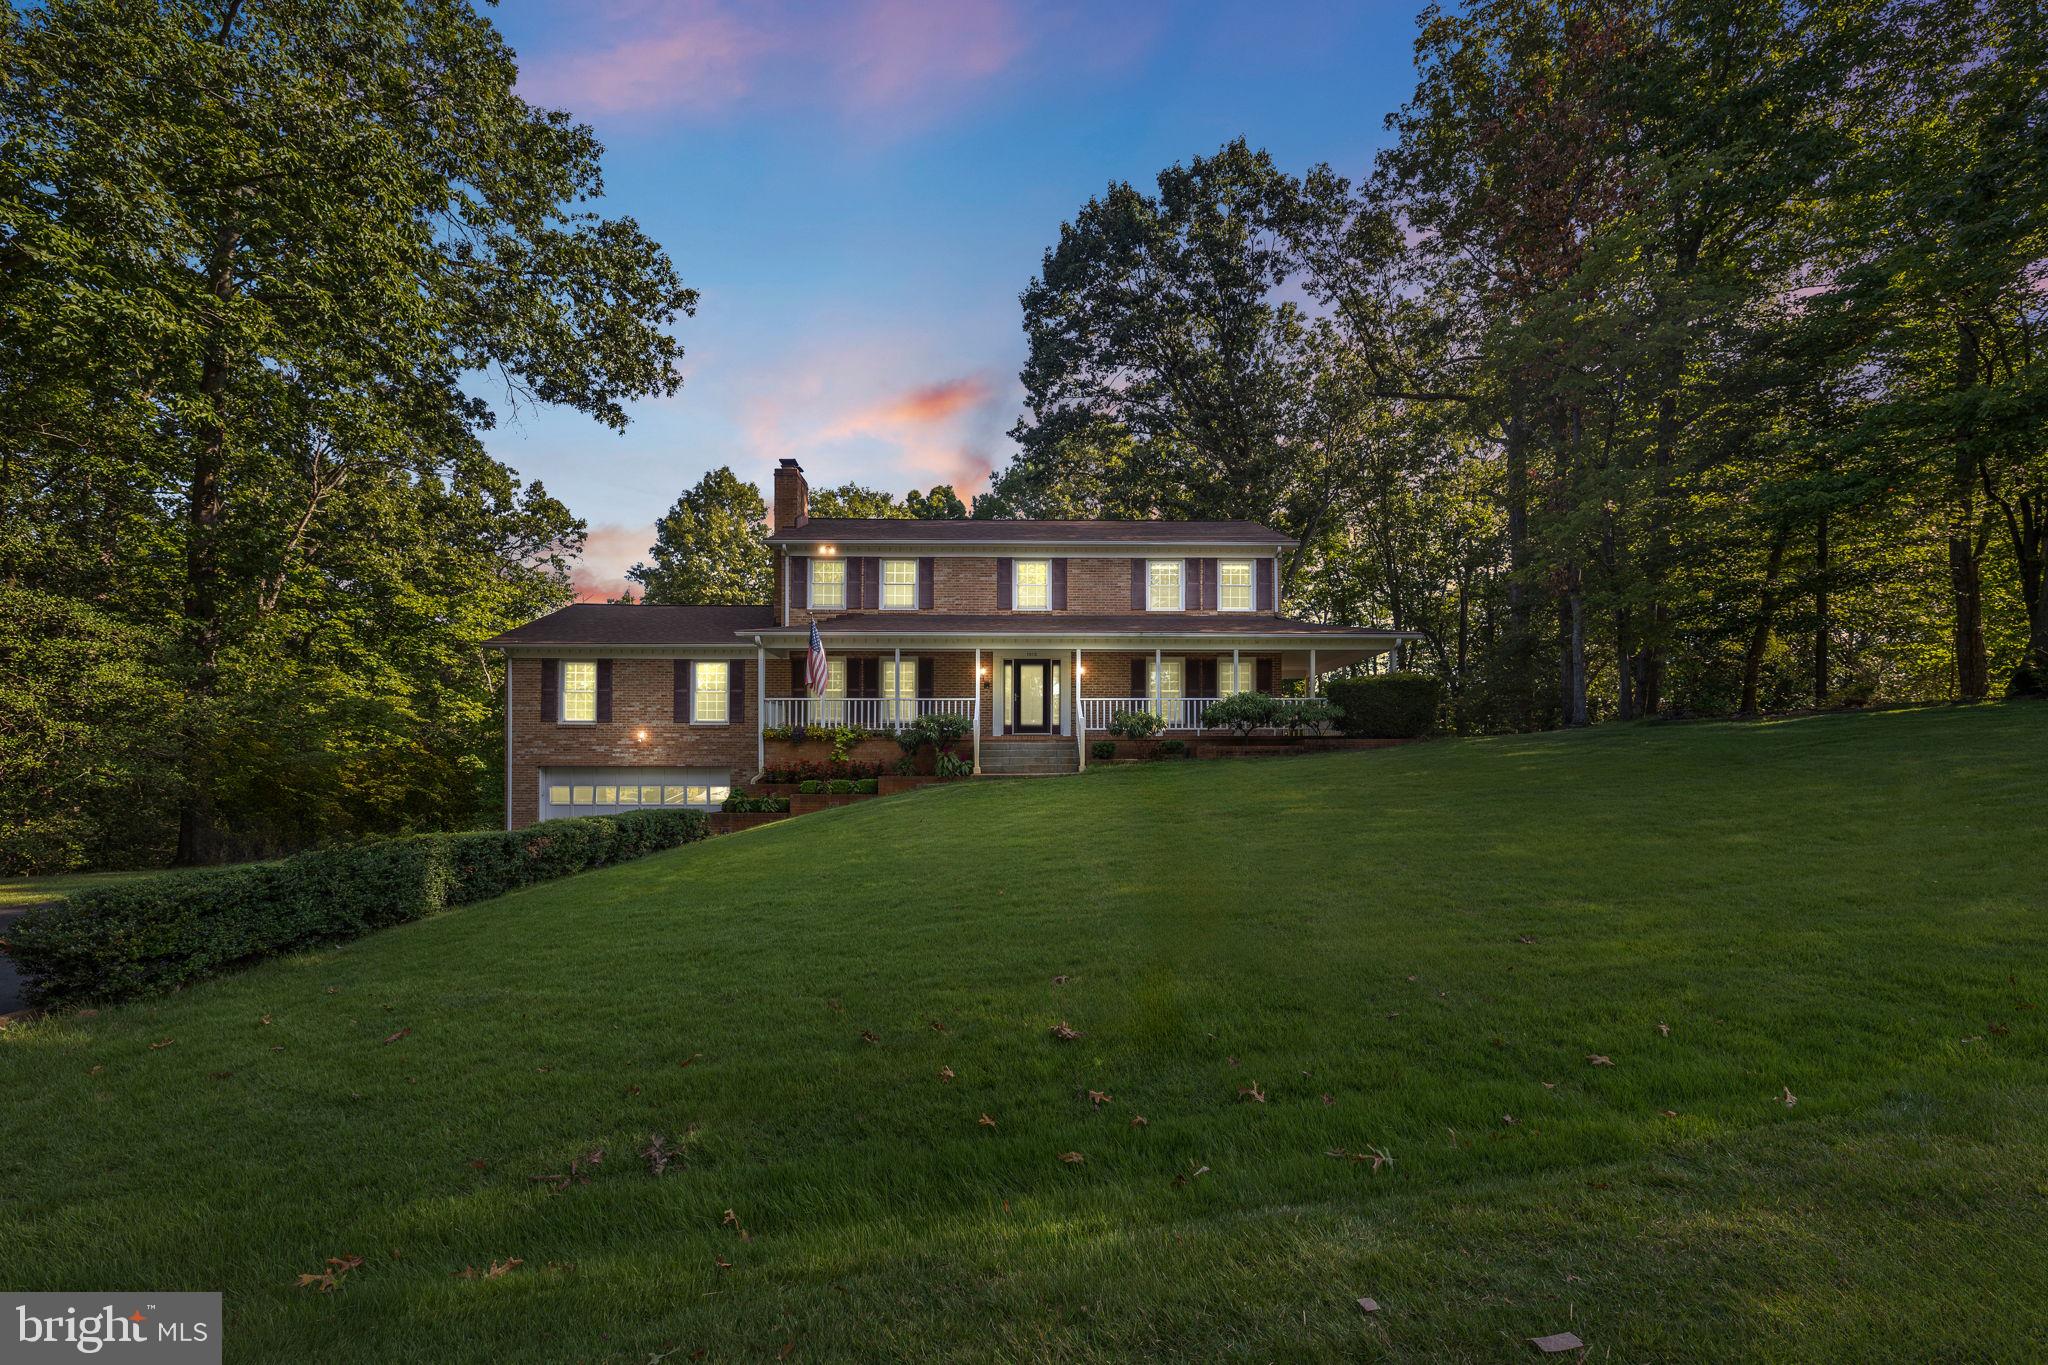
(896,530)
(642,624)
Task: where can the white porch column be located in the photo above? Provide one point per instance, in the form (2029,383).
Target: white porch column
(1236,678)
(896,690)
(1159,683)
(1311,672)
(977,710)
(508,739)
(760,709)
(1080,715)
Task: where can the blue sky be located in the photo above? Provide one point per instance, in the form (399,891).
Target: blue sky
(860,191)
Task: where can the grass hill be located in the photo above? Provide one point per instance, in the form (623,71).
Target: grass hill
(1700,1041)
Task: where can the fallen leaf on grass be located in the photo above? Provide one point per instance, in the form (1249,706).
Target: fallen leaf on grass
(1373,1156)
(721,1263)
(576,1173)
(987,1122)
(1548,1085)
(337,1270)
(161,1045)
(1059,981)
(1997,1030)
(658,1154)
(402,1033)
(264,1020)
(1669,1113)
(1251,1092)
(1595,1059)
(1328,1098)
(1664,1028)
(1138,1121)
(1233,1061)
(937,1027)
(1192,1173)
(1064,1033)
(1508,1119)
(1072,1158)
(334,990)
(835,1007)
(1790,1099)
(277,1047)
(1393,1014)
(499,1268)
(945,1073)
(787,1347)
(1524,938)
(631,1091)
(1097,1098)
(96,1071)
(732,1220)
(867,1036)
(689,1059)
(477,1165)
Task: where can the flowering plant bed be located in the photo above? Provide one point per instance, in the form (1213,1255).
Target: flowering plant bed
(803,803)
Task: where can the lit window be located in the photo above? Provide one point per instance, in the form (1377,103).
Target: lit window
(828,585)
(708,706)
(718,795)
(650,796)
(1234,585)
(899,584)
(1163,584)
(1245,681)
(579,691)
(1034,585)
(832,706)
(581,796)
(899,703)
(698,796)
(1164,680)
(607,796)
(671,796)
(629,796)
(558,796)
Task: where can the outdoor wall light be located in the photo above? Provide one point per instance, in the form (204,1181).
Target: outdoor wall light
(641,735)
(827,551)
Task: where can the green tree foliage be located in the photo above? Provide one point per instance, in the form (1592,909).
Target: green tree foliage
(855,500)
(259,265)
(941,503)
(711,547)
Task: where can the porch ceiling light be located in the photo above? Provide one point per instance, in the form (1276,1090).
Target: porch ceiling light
(828,550)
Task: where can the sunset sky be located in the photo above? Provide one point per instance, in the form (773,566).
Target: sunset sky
(860,191)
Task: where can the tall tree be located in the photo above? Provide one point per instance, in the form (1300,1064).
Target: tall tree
(941,503)
(711,547)
(856,500)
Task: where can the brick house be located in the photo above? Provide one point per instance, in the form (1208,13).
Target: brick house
(616,707)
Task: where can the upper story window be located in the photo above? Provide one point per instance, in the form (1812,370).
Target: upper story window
(1163,585)
(1234,585)
(899,584)
(709,680)
(579,690)
(828,585)
(1033,585)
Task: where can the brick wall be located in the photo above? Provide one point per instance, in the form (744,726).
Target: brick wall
(643,697)
(966,584)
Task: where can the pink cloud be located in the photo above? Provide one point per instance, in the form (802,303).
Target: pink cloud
(825,412)
(610,550)
(686,56)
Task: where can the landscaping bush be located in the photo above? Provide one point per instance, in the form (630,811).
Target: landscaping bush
(1387,705)
(740,803)
(840,786)
(158,933)
(1136,724)
(868,786)
(811,786)
(1173,748)
(1297,714)
(1243,712)
(1104,749)
(809,770)
(950,766)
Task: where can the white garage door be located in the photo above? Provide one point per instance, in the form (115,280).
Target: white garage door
(607,791)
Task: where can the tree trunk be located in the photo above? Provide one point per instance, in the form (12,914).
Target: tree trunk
(1760,634)
(1965,543)
(1822,624)
(1571,621)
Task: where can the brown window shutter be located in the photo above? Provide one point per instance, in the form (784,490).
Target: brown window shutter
(871,584)
(870,677)
(1204,679)
(1265,575)
(604,689)
(682,691)
(926,571)
(1137,585)
(736,691)
(550,688)
(1002,585)
(1209,590)
(1138,688)
(799,584)
(1266,676)
(927,677)
(1059,585)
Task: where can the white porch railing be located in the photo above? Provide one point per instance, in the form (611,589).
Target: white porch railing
(870,713)
(1179,713)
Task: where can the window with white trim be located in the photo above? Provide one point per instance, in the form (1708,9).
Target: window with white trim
(1163,681)
(899,584)
(899,689)
(1162,585)
(1031,581)
(708,684)
(1234,585)
(832,706)
(579,690)
(828,585)
(1245,681)
(558,795)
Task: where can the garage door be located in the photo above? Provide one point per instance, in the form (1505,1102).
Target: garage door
(607,791)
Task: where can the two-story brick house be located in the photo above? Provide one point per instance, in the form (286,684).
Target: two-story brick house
(617,707)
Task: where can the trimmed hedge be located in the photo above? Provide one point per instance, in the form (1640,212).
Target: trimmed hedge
(158,933)
(1387,705)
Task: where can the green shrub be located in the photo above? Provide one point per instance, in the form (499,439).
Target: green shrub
(949,766)
(1242,712)
(811,786)
(1387,705)
(743,804)
(868,786)
(941,731)
(1104,749)
(158,933)
(1136,724)
(1296,714)
(2027,681)
(1173,748)
(840,786)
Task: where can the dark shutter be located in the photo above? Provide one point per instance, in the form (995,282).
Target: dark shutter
(926,571)
(870,678)
(550,688)
(1059,585)
(1265,585)
(682,691)
(736,691)
(1210,592)
(1137,585)
(799,583)
(1002,585)
(604,689)
(1202,677)
(1138,688)
(1266,676)
(927,677)
(871,594)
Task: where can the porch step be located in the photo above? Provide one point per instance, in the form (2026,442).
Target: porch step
(1028,759)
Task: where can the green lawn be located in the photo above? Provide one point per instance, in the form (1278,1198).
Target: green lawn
(19,893)
(1435,938)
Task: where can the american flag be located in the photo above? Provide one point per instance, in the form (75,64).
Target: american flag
(815,673)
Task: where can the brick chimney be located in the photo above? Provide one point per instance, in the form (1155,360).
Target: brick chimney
(792,496)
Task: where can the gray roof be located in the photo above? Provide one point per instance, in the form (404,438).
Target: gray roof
(610,623)
(897,530)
